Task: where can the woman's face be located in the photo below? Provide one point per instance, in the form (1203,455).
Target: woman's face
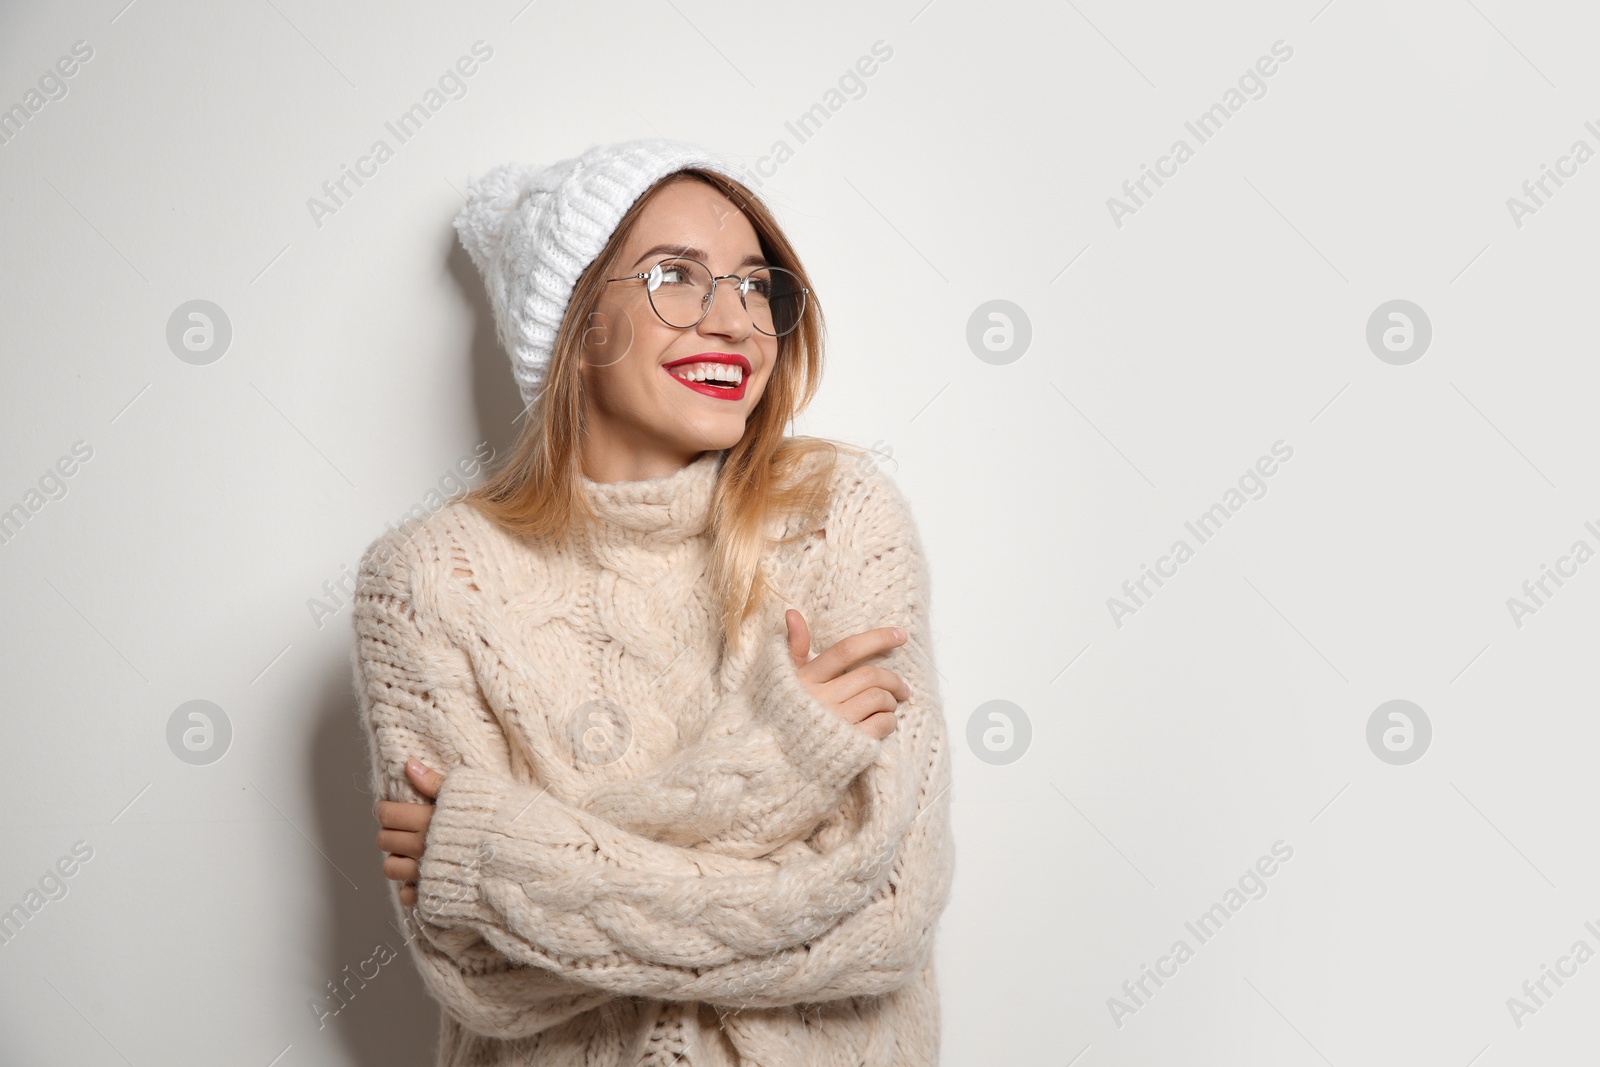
(644,420)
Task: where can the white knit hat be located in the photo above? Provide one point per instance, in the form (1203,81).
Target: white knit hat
(532,230)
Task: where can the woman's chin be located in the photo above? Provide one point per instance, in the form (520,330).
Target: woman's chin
(711,432)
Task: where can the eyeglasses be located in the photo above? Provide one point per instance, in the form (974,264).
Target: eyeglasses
(681,291)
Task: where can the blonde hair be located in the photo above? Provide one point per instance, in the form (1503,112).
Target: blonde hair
(536,492)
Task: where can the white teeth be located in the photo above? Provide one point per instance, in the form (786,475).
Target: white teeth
(699,372)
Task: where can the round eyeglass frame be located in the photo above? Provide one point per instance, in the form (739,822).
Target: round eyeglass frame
(743,287)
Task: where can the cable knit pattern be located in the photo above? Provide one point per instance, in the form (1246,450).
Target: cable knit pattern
(646,851)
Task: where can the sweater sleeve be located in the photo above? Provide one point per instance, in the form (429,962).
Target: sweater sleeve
(553,886)
(417,696)
(769,772)
(404,713)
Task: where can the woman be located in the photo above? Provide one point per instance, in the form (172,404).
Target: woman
(647,826)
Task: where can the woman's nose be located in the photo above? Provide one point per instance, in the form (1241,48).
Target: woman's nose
(727,317)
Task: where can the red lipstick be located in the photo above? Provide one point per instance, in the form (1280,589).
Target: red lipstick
(719,392)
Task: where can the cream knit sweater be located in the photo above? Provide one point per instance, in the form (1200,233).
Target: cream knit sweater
(645,852)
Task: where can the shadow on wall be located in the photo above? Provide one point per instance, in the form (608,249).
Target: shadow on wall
(376,1006)
(494,390)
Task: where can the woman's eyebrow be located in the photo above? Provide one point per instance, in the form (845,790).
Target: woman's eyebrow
(691,252)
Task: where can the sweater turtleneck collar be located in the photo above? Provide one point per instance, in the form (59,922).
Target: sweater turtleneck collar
(661,510)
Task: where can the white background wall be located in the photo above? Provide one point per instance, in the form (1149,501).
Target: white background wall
(1165,755)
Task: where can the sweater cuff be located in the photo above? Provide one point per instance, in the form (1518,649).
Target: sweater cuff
(469,818)
(815,739)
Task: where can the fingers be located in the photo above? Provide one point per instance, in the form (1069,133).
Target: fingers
(401,842)
(401,868)
(865,696)
(404,842)
(884,678)
(871,711)
(867,677)
(400,815)
(847,651)
(402,833)
(879,725)
(424,778)
(799,637)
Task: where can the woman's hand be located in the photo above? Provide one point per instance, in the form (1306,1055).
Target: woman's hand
(404,830)
(865,696)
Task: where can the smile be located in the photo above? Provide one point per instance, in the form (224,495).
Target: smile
(718,375)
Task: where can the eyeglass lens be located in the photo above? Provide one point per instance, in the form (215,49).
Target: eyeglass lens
(680,291)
